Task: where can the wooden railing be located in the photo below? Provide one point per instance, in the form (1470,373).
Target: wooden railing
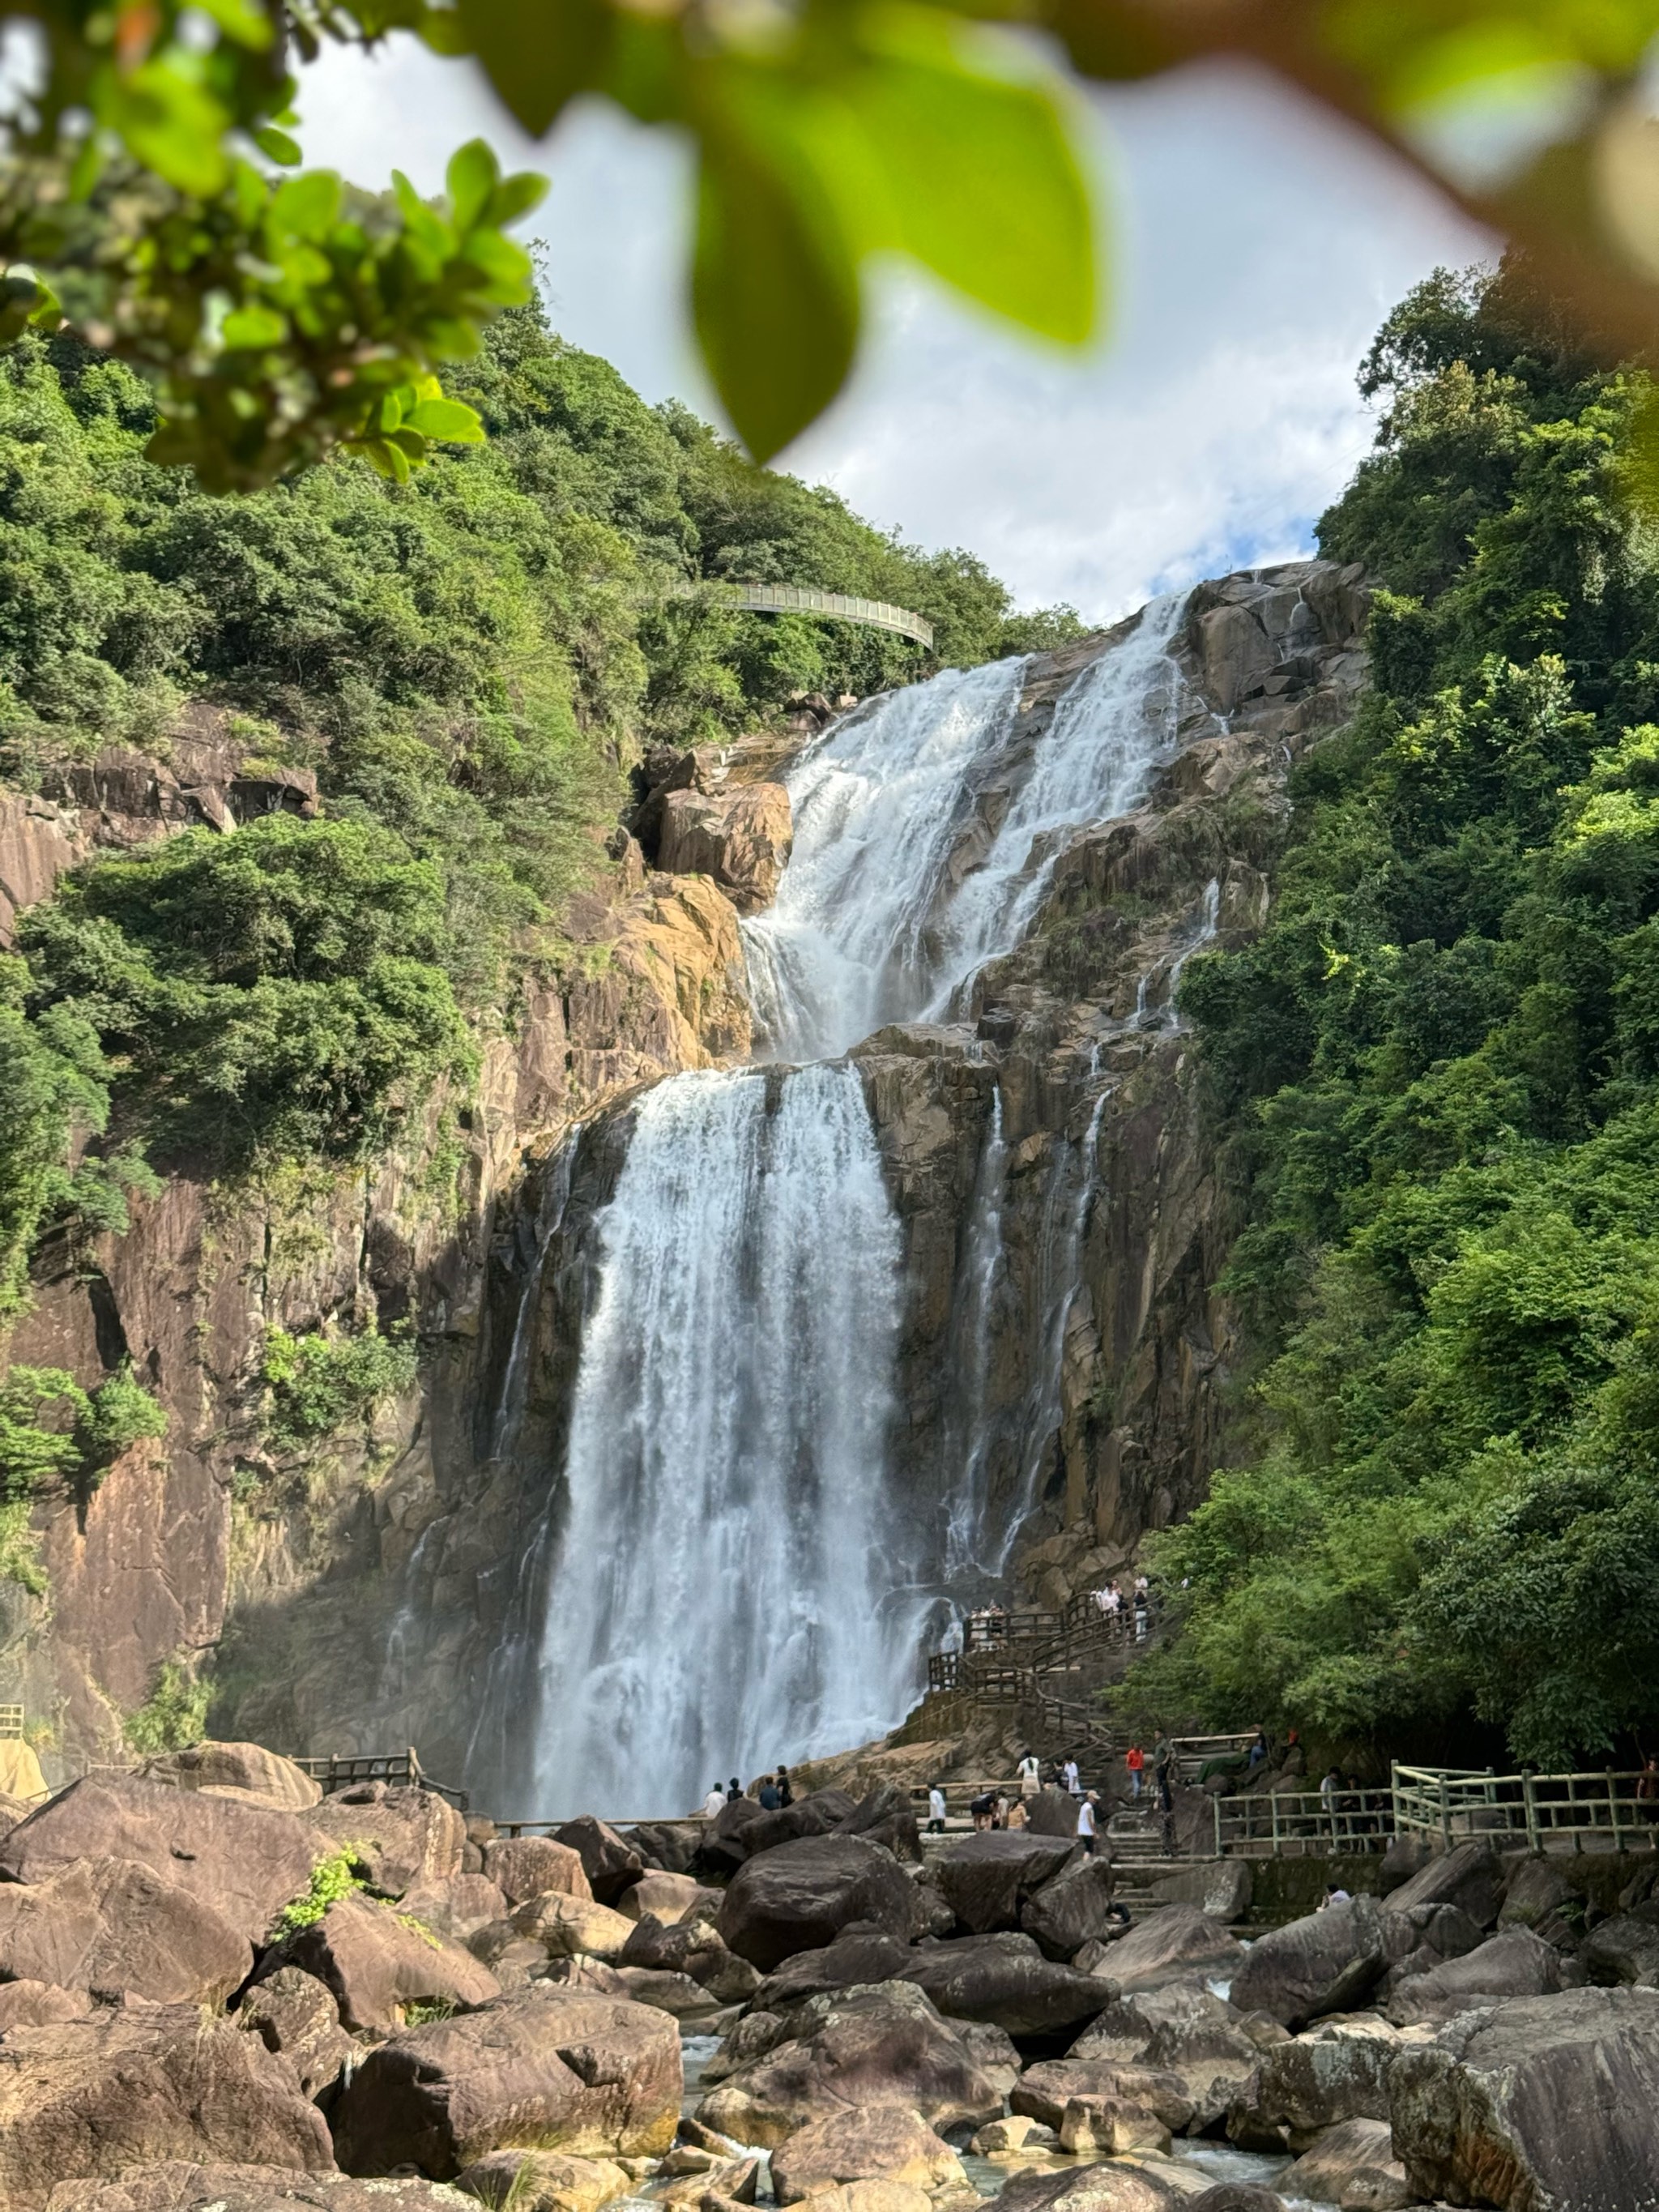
(342,1769)
(1536,1812)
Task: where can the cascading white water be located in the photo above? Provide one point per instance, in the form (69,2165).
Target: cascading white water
(731,1591)
(731,1582)
(878,803)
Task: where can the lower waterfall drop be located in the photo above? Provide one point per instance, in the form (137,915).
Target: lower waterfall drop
(732,1587)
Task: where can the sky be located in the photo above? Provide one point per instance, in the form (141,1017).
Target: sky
(1252,245)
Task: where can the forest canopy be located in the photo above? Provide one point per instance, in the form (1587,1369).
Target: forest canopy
(1436,1083)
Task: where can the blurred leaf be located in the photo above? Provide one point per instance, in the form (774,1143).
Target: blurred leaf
(278,146)
(471,181)
(172,125)
(538,53)
(451,420)
(982,173)
(253,327)
(774,293)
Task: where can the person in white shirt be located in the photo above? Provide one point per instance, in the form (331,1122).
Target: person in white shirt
(1068,1775)
(936,1811)
(713,1802)
(1085,1825)
(1030,1775)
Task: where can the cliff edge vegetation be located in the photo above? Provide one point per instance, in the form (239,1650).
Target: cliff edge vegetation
(1435,1078)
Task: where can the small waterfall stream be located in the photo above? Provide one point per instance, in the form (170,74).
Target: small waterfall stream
(733,1577)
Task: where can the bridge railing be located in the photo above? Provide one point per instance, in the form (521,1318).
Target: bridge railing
(1534,1812)
(342,1769)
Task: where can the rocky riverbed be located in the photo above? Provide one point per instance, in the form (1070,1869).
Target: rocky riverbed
(219,1986)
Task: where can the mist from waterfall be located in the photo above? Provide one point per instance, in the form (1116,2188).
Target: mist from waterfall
(732,1587)
(733,1579)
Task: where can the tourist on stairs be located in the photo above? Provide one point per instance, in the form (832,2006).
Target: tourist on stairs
(1135,1760)
(1085,1825)
(1030,1775)
(1069,1781)
(936,1811)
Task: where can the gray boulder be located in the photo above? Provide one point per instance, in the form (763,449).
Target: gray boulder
(1515,1964)
(1043,2091)
(1325,2174)
(987,1879)
(1189,2032)
(1470,1876)
(1006,1979)
(1625,1949)
(1071,1910)
(799,1897)
(1317,2081)
(1539,1896)
(1328,1962)
(1535,2104)
(1177,1942)
(612,1863)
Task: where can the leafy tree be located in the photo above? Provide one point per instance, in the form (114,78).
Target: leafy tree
(1433,1077)
(318,1383)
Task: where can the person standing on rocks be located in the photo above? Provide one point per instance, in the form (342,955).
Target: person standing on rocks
(769,1800)
(1086,1825)
(733,1790)
(936,1811)
(983,1808)
(1647,1797)
(1030,1775)
(1069,1781)
(786,1795)
(1135,1760)
(1163,1772)
(713,1803)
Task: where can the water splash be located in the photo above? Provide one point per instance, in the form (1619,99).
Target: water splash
(969,1444)
(730,1554)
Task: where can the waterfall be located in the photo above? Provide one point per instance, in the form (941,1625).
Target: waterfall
(726,1596)
(731,1579)
(879,801)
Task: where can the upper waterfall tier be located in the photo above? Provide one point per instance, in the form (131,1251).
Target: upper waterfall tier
(903,882)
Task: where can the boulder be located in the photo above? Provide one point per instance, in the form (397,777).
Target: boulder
(862,1955)
(242,1862)
(113,1925)
(1109,2126)
(1515,1964)
(291,2012)
(611,1864)
(1052,1812)
(1043,2091)
(1236,2197)
(885,1816)
(1470,1876)
(666,1898)
(741,837)
(38,2004)
(551,2070)
(705,2180)
(1176,1943)
(374,1965)
(513,1960)
(1350,2149)
(1146,2185)
(565,1926)
(1223,1888)
(247,1771)
(1011,2134)
(819,1815)
(1318,2081)
(871,2142)
(544,2181)
(883,2046)
(593,1974)
(1188,2032)
(1403,1857)
(1071,1910)
(1625,1949)
(92,2099)
(1328,1962)
(455,1906)
(1535,2104)
(667,1847)
(987,1879)
(797,1896)
(675,1993)
(402,1836)
(874,2197)
(1382,2187)
(693,1947)
(1539,1896)
(523,1866)
(1006,1979)
(172,2187)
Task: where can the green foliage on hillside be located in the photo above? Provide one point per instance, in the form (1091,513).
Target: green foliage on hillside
(1437,1079)
(472,663)
(318,1383)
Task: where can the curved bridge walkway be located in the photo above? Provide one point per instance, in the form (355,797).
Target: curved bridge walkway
(800,599)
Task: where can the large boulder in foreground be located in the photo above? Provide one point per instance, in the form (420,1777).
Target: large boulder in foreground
(1185,2031)
(175,2187)
(987,1879)
(1178,1943)
(93,2098)
(112,1924)
(523,1866)
(291,2012)
(1071,1910)
(799,1896)
(1535,2104)
(887,2046)
(374,1965)
(402,1835)
(242,1862)
(1328,1962)
(247,1771)
(874,2142)
(1316,2082)
(553,2069)
(1007,1980)
(611,1864)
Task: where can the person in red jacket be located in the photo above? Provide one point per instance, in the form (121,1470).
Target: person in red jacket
(1135,1760)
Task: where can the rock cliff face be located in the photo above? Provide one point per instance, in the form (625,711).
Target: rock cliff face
(1062,1345)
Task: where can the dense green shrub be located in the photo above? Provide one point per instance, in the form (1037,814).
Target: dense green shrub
(1434,1079)
(54,1433)
(173,1716)
(317,1383)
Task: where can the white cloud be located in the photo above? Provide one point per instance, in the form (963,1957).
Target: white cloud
(1255,247)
